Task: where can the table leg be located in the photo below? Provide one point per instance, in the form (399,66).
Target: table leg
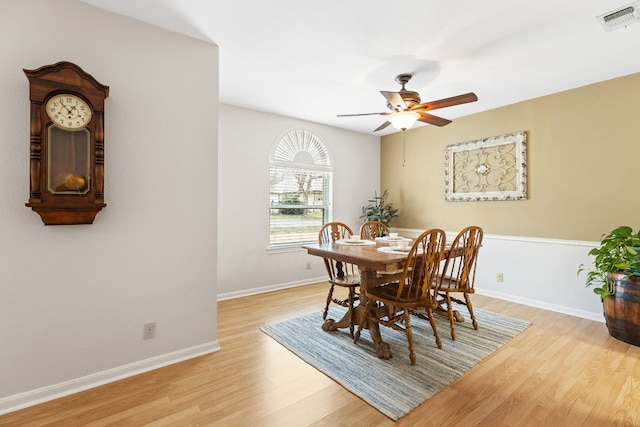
(330,325)
(367,281)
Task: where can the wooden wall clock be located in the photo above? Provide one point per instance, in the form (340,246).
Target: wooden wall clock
(66,144)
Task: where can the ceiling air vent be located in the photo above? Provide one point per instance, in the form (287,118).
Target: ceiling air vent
(622,17)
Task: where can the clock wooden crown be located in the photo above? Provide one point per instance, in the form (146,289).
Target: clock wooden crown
(66,144)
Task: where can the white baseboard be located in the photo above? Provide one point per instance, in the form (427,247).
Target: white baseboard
(546,306)
(265,289)
(55,391)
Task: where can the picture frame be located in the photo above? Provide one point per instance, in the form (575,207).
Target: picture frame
(493,168)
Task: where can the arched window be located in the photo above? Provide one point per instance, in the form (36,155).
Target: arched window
(299,189)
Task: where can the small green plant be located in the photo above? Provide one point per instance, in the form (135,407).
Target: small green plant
(378,209)
(619,252)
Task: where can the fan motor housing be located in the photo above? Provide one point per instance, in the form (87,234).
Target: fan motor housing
(411,98)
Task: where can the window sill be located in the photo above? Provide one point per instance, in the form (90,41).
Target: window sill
(295,247)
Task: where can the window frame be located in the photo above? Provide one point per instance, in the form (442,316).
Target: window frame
(316,160)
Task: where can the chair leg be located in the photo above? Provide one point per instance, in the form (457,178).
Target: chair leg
(470,308)
(326,307)
(409,331)
(352,313)
(432,321)
(451,319)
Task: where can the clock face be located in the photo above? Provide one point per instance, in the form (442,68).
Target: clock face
(68,111)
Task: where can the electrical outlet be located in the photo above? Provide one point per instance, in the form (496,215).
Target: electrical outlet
(499,277)
(149,331)
(308,265)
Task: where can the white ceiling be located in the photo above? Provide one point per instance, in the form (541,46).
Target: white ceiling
(315,59)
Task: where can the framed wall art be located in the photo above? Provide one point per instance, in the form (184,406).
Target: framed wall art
(493,168)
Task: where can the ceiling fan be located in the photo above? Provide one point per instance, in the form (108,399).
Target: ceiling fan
(406,108)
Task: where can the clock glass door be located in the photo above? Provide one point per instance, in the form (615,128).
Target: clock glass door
(69,162)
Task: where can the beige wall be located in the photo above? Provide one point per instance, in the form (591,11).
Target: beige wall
(583,150)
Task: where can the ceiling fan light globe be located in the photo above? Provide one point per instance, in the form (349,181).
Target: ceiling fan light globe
(404,120)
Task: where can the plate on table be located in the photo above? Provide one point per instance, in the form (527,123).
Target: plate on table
(393,250)
(403,249)
(355,242)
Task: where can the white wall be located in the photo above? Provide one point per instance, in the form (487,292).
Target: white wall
(73,299)
(246,141)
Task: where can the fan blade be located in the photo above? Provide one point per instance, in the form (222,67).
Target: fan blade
(382,126)
(363,114)
(447,102)
(395,100)
(433,120)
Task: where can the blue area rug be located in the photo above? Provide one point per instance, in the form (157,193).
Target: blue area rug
(394,387)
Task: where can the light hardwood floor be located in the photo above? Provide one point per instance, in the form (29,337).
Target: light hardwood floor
(562,371)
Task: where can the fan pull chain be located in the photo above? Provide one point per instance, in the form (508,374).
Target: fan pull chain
(404,147)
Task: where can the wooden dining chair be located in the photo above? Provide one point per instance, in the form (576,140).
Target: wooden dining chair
(372,229)
(458,272)
(340,274)
(391,304)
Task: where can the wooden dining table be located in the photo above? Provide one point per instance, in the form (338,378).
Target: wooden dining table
(371,262)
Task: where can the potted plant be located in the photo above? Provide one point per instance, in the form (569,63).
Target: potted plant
(379,209)
(616,279)
(618,253)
